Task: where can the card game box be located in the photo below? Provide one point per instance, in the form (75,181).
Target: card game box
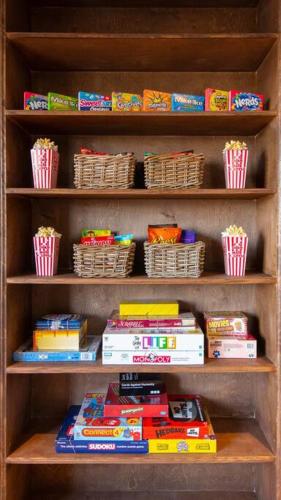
(138,406)
(186,419)
(91,424)
(144,384)
(65,443)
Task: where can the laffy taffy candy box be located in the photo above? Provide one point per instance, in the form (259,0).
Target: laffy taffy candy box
(245,101)
(154,100)
(185,102)
(216,100)
(122,101)
(35,102)
(93,102)
(59,102)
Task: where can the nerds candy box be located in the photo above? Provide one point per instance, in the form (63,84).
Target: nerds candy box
(184,102)
(245,101)
(35,102)
(92,102)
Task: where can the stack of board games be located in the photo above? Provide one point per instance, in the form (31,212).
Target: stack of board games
(60,337)
(137,416)
(152,333)
(228,335)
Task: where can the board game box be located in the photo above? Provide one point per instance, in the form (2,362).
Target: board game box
(189,445)
(153,357)
(65,443)
(138,406)
(130,322)
(91,424)
(61,322)
(186,419)
(232,347)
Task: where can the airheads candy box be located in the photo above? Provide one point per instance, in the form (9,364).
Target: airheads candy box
(35,102)
(185,102)
(92,102)
(122,101)
(59,102)
(92,425)
(245,101)
(153,100)
(216,100)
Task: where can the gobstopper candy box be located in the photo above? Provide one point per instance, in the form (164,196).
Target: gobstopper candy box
(91,425)
(187,419)
(138,406)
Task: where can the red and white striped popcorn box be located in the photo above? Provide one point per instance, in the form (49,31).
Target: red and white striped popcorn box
(235,254)
(45,164)
(235,167)
(46,251)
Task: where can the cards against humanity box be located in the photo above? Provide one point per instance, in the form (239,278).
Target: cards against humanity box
(137,406)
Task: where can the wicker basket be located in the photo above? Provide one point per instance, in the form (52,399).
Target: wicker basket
(104,171)
(174,260)
(113,261)
(168,171)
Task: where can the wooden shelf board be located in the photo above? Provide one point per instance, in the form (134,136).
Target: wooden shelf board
(141,123)
(239,441)
(207,278)
(147,495)
(139,194)
(145,3)
(152,52)
(259,365)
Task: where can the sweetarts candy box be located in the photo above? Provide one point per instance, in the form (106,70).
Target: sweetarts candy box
(59,102)
(123,101)
(91,424)
(35,102)
(134,406)
(187,103)
(65,443)
(93,102)
(216,100)
(154,100)
(187,419)
(245,101)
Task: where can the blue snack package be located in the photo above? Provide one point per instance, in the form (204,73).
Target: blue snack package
(187,103)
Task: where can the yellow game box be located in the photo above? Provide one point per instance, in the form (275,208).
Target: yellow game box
(57,340)
(147,308)
(191,445)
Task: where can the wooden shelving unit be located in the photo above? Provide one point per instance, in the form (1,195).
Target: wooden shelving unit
(179,46)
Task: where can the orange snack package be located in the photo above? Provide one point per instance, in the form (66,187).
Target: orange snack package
(164,234)
(154,100)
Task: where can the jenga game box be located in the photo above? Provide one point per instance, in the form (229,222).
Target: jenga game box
(187,419)
(226,323)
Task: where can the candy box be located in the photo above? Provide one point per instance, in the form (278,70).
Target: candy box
(91,425)
(122,101)
(59,102)
(232,347)
(153,100)
(35,102)
(137,406)
(66,444)
(149,308)
(93,102)
(245,101)
(192,424)
(97,241)
(216,100)
(226,323)
(185,102)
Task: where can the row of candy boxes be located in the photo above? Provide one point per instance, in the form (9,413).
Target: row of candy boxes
(152,100)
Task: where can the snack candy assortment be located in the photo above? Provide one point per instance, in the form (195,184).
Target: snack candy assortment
(235,246)
(122,101)
(235,157)
(187,103)
(245,101)
(45,164)
(59,102)
(104,237)
(35,102)
(46,244)
(93,102)
(154,100)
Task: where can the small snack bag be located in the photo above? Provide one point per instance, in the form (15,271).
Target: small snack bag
(45,164)
(235,246)
(46,244)
(235,157)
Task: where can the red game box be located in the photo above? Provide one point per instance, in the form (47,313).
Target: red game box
(138,406)
(187,419)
